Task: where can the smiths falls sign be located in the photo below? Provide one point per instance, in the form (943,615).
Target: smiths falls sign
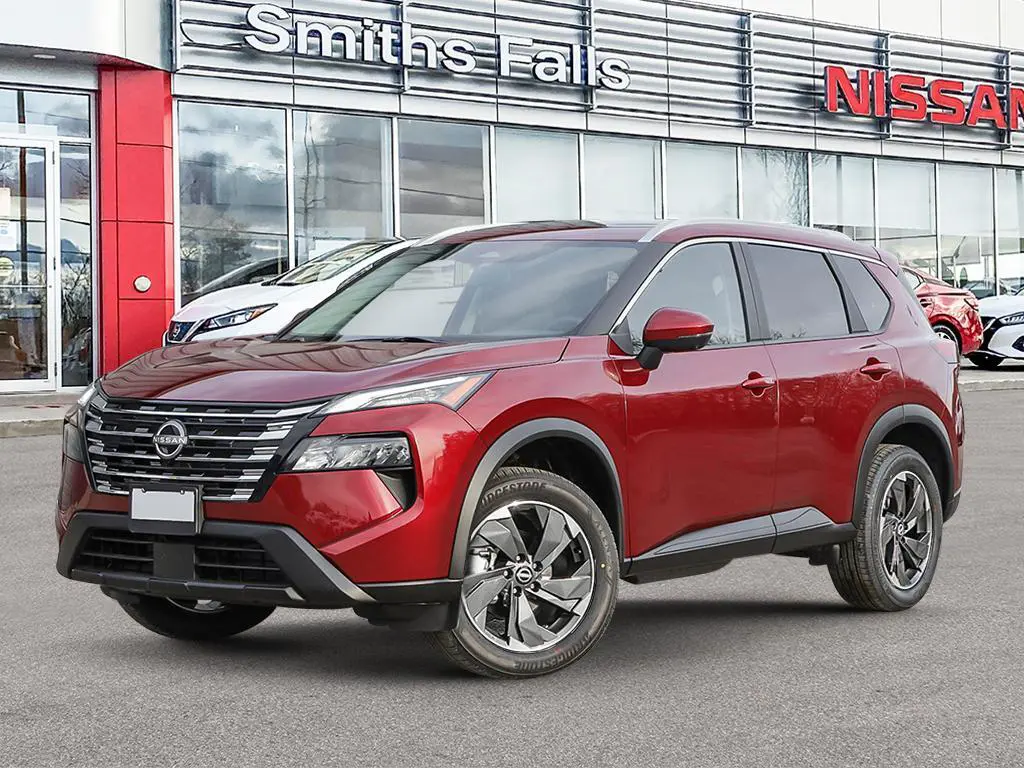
(272,29)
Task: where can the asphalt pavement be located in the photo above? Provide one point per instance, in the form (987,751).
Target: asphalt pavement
(759,664)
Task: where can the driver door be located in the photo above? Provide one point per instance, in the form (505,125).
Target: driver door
(703,427)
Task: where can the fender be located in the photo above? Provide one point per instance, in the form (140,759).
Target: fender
(504,447)
(897,417)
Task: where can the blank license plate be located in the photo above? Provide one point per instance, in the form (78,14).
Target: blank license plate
(171,506)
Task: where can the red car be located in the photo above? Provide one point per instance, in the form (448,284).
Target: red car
(479,437)
(952,312)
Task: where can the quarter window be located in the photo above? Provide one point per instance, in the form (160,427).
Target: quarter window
(700,278)
(871,299)
(802,299)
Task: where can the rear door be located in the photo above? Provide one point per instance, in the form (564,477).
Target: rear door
(836,376)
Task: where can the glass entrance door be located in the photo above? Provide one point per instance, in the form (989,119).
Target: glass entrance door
(28,252)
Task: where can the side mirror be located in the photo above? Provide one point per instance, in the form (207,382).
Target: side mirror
(673,330)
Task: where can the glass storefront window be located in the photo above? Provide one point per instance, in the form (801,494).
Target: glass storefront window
(906,212)
(537,175)
(441,176)
(341,162)
(701,182)
(76,265)
(67,112)
(967,228)
(775,186)
(843,195)
(621,179)
(234,206)
(25,311)
(1010,195)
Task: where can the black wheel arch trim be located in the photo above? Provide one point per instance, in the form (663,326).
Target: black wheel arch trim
(899,416)
(506,445)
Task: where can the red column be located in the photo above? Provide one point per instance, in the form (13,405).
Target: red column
(136,212)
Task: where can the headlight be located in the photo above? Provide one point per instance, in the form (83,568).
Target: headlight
(1016,319)
(241,317)
(451,392)
(74,448)
(76,412)
(322,454)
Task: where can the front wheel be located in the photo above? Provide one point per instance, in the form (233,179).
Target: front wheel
(541,578)
(194,619)
(891,562)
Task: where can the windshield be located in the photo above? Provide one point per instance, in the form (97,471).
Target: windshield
(503,289)
(329,265)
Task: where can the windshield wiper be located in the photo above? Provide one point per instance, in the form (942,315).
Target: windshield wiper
(394,339)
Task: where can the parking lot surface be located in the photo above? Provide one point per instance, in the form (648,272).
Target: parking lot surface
(759,664)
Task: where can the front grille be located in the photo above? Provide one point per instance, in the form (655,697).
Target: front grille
(227,452)
(236,561)
(214,560)
(177,332)
(117,552)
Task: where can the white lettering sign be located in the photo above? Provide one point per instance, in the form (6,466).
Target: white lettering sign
(276,30)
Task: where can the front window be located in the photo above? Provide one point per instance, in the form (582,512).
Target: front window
(484,290)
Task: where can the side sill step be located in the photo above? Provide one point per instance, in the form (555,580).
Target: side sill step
(712,548)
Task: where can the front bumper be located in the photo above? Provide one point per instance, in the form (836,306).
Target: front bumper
(235,563)
(1005,341)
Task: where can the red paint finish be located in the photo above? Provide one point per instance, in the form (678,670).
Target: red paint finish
(954,308)
(827,405)
(701,447)
(136,211)
(672,324)
(873,93)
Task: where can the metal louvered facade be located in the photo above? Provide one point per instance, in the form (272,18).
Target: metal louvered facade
(695,70)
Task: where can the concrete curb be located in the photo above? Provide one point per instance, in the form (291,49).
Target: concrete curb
(31,427)
(991,385)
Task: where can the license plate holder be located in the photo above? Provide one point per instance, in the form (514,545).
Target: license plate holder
(166,509)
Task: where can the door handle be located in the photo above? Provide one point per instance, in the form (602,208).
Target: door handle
(927,302)
(876,369)
(758,384)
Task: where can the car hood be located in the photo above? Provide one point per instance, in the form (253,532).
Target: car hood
(260,371)
(239,297)
(1000,306)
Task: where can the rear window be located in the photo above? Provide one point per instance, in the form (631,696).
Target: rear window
(872,301)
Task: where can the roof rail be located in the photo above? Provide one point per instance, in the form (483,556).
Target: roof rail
(659,229)
(525,227)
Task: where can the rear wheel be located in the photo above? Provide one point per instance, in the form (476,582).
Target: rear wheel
(194,619)
(985,362)
(891,562)
(541,578)
(944,331)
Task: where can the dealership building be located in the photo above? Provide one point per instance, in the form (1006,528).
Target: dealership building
(152,150)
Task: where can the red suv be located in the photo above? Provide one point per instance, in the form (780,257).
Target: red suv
(481,436)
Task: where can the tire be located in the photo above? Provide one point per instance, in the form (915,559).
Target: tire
(862,572)
(534,502)
(181,622)
(985,362)
(948,332)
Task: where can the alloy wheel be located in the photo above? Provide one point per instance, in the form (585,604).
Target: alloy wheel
(906,535)
(530,576)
